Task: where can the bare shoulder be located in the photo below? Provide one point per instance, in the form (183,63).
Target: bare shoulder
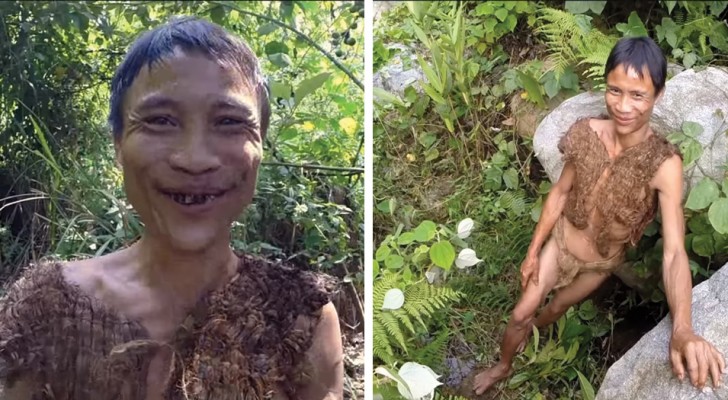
(326,358)
(669,175)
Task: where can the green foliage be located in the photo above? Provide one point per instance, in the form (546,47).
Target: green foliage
(393,330)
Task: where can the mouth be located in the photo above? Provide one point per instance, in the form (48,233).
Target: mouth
(194,199)
(623,121)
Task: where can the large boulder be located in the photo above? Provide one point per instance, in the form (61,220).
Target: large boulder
(689,96)
(644,372)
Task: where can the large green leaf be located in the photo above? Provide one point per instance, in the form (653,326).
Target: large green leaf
(530,84)
(718,215)
(425,231)
(703,194)
(442,254)
(310,85)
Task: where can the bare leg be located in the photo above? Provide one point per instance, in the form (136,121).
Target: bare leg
(576,291)
(519,326)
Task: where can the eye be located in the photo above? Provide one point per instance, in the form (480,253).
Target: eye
(613,90)
(159,120)
(228,121)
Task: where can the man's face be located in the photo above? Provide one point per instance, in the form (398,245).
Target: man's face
(629,98)
(190,149)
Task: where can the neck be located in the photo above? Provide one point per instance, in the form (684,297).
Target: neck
(185,276)
(634,138)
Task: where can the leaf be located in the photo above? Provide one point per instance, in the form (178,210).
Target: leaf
(433,94)
(393,299)
(442,254)
(501,14)
(217,14)
(375,268)
(692,129)
(691,150)
(689,60)
(266,29)
(427,139)
(432,154)
(383,252)
(532,87)
(425,231)
(634,26)
(406,238)
(587,311)
(577,7)
(433,274)
(275,47)
(280,60)
(432,77)
(670,4)
(466,258)
(484,8)
(586,388)
(718,215)
(386,97)
(418,8)
(510,177)
(310,85)
(703,245)
(278,89)
(394,261)
(703,194)
(387,206)
(465,227)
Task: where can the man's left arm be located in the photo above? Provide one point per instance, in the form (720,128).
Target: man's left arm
(326,358)
(686,348)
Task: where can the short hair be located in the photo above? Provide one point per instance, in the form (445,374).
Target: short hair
(190,34)
(638,52)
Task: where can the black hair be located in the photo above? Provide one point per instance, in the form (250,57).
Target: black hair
(638,52)
(190,34)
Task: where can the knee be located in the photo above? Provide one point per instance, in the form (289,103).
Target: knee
(521,317)
(557,307)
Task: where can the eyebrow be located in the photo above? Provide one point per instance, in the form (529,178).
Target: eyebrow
(160,101)
(157,101)
(630,91)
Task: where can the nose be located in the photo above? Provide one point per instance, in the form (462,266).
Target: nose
(194,154)
(623,104)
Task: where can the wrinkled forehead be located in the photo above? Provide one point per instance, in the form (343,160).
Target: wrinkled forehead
(190,73)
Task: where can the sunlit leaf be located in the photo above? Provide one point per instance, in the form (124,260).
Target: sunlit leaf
(393,300)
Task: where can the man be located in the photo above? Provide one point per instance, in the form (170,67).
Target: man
(177,315)
(616,171)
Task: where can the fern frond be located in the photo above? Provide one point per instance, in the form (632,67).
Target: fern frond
(433,353)
(391,325)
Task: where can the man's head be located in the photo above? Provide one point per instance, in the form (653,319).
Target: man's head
(189,110)
(635,73)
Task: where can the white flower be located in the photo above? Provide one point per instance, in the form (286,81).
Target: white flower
(466,258)
(465,227)
(415,381)
(393,300)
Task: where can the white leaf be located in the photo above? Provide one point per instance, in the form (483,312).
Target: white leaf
(420,379)
(393,300)
(466,258)
(401,384)
(464,228)
(433,274)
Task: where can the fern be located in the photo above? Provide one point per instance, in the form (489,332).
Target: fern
(433,353)
(393,328)
(573,41)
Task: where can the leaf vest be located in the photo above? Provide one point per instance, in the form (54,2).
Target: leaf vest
(240,342)
(625,196)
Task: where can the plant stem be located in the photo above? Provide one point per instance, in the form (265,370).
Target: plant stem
(302,35)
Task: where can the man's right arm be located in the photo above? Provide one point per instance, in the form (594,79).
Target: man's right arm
(552,208)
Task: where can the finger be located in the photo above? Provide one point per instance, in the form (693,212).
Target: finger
(692,360)
(714,369)
(678,368)
(535,276)
(703,362)
(721,360)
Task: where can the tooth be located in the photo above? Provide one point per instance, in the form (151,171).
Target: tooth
(188,198)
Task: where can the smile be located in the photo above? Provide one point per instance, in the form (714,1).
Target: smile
(194,199)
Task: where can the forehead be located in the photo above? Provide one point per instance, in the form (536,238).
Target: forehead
(189,76)
(626,77)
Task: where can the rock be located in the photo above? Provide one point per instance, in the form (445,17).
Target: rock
(401,71)
(528,115)
(645,372)
(689,96)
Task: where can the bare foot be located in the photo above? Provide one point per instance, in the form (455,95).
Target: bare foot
(486,379)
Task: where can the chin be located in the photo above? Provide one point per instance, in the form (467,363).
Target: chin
(195,240)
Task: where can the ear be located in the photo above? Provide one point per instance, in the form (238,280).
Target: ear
(659,95)
(117,153)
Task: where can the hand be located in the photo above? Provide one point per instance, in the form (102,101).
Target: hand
(700,356)
(529,271)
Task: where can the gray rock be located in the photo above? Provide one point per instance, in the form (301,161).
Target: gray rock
(401,71)
(689,96)
(645,372)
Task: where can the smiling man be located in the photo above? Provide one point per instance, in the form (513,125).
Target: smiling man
(177,315)
(616,173)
